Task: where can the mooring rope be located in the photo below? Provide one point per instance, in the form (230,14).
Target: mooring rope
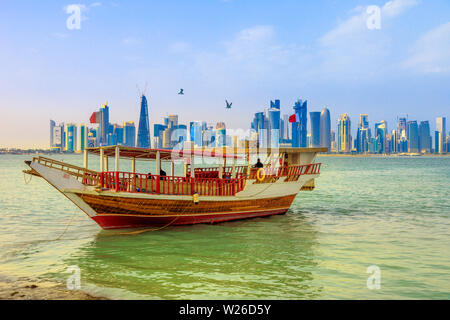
(67,227)
(25,179)
(147,229)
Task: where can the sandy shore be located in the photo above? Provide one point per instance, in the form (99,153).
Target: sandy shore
(39,290)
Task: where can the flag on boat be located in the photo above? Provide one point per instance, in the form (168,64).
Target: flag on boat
(294,118)
(96,117)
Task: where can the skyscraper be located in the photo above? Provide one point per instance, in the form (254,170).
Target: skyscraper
(274,125)
(56,136)
(286,130)
(275,104)
(380,136)
(424,137)
(363,134)
(129,134)
(104,125)
(441,128)
(260,125)
(172,120)
(71,137)
(82,137)
(344,143)
(158,130)
(52,126)
(92,141)
(221,134)
(143,139)
(315,129)
(325,129)
(413,136)
(299,129)
(402,139)
(195,133)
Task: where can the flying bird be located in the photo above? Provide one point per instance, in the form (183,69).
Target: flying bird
(181,91)
(228,104)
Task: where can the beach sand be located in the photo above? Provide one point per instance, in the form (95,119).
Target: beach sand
(40,290)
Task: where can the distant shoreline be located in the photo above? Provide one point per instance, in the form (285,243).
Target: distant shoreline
(358,155)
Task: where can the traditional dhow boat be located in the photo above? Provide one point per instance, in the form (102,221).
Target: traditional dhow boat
(225,192)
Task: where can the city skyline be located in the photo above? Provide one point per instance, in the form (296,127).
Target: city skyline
(269,128)
(329,56)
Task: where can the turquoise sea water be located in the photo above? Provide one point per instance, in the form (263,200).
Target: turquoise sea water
(393,213)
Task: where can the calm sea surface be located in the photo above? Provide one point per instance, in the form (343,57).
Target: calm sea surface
(393,213)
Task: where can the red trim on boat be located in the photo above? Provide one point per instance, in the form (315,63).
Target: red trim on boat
(128,221)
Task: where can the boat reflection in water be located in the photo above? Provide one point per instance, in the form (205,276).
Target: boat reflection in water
(270,258)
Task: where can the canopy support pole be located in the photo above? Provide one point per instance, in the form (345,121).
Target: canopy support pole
(133,165)
(158,163)
(85,159)
(102,159)
(172,168)
(106,163)
(192,166)
(233,170)
(117,154)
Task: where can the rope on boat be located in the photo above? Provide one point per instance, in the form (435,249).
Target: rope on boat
(67,227)
(147,229)
(25,179)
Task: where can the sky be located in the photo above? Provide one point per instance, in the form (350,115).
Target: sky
(331,53)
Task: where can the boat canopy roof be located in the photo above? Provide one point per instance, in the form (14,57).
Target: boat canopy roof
(218,152)
(151,154)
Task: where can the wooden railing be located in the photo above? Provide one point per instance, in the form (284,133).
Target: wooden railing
(227,172)
(289,171)
(86,176)
(170,185)
(206,181)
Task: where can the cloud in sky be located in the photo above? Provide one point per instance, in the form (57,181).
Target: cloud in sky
(431,52)
(351,48)
(356,25)
(250,42)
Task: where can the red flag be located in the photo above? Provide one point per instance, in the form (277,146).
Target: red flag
(294,118)
(96,117)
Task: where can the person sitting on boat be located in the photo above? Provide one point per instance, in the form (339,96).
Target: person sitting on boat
(162,174)
(259,164)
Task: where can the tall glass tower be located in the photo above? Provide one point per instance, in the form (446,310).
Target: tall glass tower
(274,124)
(344,143)
(104,126)
(325,129)
(129,134)
(315,129)
(413,136)
(380,135)
(363,134)
(299,129)
(221,134)
(143,138)
(52,126)
(424,137)
(441,128)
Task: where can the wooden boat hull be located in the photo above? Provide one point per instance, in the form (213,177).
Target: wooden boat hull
(125,212)
(119,221)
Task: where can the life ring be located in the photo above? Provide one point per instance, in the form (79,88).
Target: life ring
(258,174)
